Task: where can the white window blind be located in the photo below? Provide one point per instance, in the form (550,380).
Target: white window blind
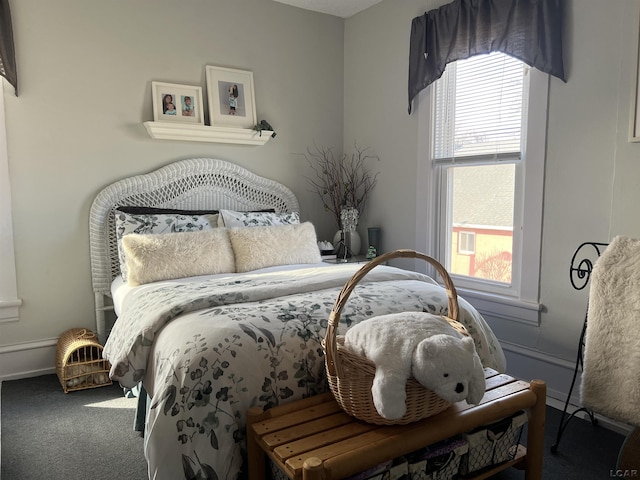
(479,118)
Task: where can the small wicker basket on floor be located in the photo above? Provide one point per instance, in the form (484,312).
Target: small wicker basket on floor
(79,362)
(350,376)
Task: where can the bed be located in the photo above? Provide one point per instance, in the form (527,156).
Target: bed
(208,338)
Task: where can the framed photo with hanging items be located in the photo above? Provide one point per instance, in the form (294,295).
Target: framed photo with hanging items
(177,103)
(231,97)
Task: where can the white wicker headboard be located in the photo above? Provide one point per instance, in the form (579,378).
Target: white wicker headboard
(193,184)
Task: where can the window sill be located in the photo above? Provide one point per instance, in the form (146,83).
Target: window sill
(506,308)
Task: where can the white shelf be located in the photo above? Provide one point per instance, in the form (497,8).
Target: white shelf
(205,133)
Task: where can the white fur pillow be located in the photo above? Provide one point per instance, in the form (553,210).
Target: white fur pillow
(151,258)
(261,247)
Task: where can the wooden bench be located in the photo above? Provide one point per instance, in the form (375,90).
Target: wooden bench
(314,439)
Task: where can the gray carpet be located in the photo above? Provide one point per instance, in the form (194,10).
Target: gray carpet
(88,434)
(586,452)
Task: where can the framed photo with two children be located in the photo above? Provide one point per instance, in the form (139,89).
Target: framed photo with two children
(177,103)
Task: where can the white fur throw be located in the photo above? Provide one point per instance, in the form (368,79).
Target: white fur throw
(151,258)
(261,247)
(611,373)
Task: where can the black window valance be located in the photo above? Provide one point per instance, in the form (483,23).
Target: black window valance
(7,50)
(529,30)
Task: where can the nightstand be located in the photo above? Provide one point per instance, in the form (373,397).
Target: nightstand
(352,259)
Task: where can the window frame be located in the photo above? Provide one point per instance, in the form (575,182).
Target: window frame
(9,301)
(521,304)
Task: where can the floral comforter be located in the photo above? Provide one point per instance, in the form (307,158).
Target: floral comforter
(207,351)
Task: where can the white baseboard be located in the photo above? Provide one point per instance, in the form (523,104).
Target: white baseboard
(29,359)
(526,364)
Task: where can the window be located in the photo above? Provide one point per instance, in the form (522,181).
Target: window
(485,119)
(466,243)
(9,301)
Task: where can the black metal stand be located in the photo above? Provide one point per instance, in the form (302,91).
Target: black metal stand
(582,263)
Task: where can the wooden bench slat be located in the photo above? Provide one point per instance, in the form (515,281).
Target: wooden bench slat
(498,381)
(322,439)
(290,434)
(323,453)
(296,417)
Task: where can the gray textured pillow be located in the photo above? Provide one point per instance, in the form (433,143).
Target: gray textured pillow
(155,257)
(261,247)
(231,218)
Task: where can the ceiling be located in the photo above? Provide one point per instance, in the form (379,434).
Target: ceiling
(339,8)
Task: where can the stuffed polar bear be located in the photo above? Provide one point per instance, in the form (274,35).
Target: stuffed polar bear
(421,345)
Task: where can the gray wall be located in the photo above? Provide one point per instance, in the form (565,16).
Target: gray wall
(85,71)
(592,172)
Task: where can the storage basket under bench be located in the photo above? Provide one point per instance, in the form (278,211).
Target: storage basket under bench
(314,438)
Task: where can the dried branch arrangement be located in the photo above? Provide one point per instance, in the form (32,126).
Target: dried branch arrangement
(341,180)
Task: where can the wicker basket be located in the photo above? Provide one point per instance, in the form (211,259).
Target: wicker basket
(350,376)
(79,362)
